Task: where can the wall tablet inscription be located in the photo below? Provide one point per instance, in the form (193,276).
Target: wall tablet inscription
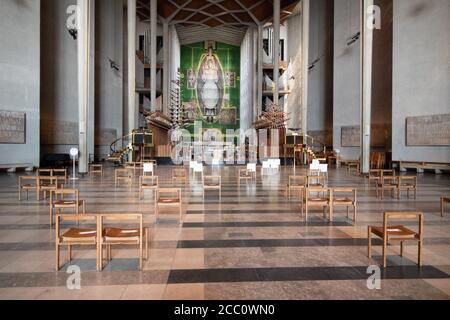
(428,131)
(12,127)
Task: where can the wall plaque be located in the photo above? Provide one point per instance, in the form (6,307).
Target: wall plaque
(12,127)
(104,137)
(59,133)
(428,130)
(351,136)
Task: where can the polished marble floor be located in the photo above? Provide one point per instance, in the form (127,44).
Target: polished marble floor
(253,244)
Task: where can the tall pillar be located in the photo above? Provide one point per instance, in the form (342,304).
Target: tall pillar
(260,70)
(366,83)
(276,49)
(86,82)
(255,72)
(305,66)
(166,70)
(132,108)
(153,44)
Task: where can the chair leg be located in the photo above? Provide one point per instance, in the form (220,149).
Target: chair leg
(57,257)
(109,252)
(420,252)
(385,252)
(442,207)
(140,255)
(51,215)
(402,248)
(69,252)
(354,213)
(369,238)
(146,243)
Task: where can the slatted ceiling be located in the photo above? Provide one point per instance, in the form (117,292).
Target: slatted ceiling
(188,34)
(228,18)
(182,15)
(196,4)
(167,10)
(198,17)
(214,10)
(213,23)
(220,12)
(231,5)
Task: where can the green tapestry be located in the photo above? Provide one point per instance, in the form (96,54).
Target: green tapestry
(210,85)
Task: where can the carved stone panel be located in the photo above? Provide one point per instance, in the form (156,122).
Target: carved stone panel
(428,130)
(350,136)
(59,133)
(12,127)
(104,137)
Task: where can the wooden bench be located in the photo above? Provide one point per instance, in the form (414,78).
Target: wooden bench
(11,168)
(422,166)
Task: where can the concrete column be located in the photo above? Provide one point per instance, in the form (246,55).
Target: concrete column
(86,81)
(260,71)
(153,35)
(366,83)
(132,107)
(166,70)
(276,49)
(255,72)
(305,65)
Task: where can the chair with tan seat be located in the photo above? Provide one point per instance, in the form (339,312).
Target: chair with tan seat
(49,184)
(44,172)
(345,197)
(148,183)
(397,233)
(244,174)
(27,183)
(123,175)
(77,236)
(296,184)
(168,197)
(386,183)
(316,181)
(212,183)
(59,201)
(61,173)
(408,183)
(444,200)
(374,175)
(318,197)
(353,165)
(114,235)
(96,169)
(179,175)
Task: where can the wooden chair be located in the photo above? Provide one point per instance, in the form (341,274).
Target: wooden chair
(76,236)
(49,184)
(123,175)
(148,183)
(345,197)
(112,236)
(296,183)
(397,233)
(322,198)
(96,169)
(374,175)
(386,183)
(168,197)
(408,183)
(316,181)
(353,165)
(27,183)
(148,169)
(443,201)
(179,175)
(132,167)
(58,202)
(244,174)
(44,172)
(212,183)
(61,173)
